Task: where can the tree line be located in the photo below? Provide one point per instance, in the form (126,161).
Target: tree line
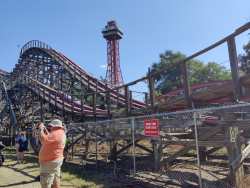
(198,71)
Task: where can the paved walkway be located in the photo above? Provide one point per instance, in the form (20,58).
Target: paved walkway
(21,175)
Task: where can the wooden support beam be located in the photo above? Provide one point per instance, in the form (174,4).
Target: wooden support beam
(152,94)
(72,107)
(187,148)
(61,80)
(94,106)
(117,98)
(93,147)
(56,102)
(158,154)
(144,148)
(240,158)
(79,137)
(232,134)
(88,84)
(235,123)
(49,97)
(26,97)
(167,136)
(86,148)
(96,89)
(146,99)
(32,107)
(113,150)
(186,85)
(39,90)
(201,143)
(75,74)
(42,111)
(44,94)
(82,107)
(37,70)
(121,150)
(234,67)
(108,104)
(43,70)
(130,100)
(241,139)
(129,136)
(126,101)
(209,152)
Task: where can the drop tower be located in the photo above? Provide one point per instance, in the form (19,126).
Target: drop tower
(112,33)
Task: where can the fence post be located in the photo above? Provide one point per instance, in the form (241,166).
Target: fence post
(234,67)
(72,140)
(197,149)
(133,133)
(95,145)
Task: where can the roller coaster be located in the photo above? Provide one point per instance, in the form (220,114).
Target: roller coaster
(44,72)
(62,88)
(47,77)
(46,84)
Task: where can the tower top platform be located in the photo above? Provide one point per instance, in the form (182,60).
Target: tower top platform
(112,29)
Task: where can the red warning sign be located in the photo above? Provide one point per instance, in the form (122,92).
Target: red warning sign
(151,127)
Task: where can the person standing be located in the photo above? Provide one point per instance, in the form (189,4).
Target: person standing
(17,138)
(51,154)
(22,147)
(17,144)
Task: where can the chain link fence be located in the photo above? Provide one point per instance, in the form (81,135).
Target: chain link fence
(120,147)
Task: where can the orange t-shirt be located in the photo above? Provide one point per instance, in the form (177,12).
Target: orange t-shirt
(52,146)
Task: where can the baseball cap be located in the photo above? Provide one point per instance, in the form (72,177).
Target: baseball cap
(56,123)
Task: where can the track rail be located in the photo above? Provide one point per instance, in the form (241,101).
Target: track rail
(48,94)
(71,66)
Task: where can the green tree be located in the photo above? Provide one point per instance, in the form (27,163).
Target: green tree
(244,59)
(198,72)
(103,79)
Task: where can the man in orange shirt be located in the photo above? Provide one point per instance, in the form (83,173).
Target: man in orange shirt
(51,154)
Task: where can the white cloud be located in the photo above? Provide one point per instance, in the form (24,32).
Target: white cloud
(103,66)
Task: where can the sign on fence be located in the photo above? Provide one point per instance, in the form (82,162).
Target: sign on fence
(151,127)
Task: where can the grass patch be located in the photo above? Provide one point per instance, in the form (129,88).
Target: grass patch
(73,175)
(77,176)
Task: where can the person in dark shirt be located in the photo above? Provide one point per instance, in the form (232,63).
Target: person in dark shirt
(17,138)
(22,147)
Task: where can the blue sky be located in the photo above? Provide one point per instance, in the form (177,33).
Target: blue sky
(150,27)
